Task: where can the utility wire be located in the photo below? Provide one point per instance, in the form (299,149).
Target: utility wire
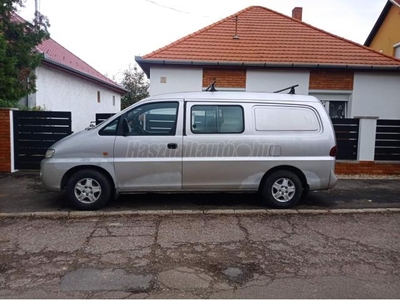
(174,9)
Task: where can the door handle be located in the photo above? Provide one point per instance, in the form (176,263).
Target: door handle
(172,146)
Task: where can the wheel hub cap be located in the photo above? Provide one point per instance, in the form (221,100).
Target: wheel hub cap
(283,190)
(87,190)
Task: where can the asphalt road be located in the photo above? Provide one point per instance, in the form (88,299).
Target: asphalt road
(23,192)
(313,254)
(202,256)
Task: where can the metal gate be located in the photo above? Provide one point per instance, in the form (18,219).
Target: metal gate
(35,132)
(102,117)
(387,140)
(346,131)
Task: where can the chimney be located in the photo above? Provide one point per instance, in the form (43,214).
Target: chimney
(297,13)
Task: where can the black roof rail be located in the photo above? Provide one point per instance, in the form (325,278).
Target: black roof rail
(291,88)
(211,87)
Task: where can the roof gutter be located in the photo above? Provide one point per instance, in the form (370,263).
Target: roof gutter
(145,65)
(59,66)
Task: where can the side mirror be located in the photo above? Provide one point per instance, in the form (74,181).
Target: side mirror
(126,128)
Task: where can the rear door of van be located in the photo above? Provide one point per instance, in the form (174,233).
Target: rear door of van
(214,143)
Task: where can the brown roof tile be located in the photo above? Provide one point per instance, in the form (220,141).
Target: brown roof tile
(266,36)
(56,54)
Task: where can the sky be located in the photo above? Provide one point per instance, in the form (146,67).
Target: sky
(109,34)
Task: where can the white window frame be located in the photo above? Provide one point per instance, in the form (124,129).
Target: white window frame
(331,96)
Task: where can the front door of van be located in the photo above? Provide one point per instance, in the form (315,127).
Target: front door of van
(148,156)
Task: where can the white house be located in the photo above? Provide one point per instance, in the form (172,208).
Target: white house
(258,49)
(67,83)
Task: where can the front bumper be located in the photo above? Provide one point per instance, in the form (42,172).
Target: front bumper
(50,176)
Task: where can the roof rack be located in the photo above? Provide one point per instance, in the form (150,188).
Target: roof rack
(291,88)
(211,87)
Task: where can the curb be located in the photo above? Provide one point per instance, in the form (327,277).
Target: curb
(269,212)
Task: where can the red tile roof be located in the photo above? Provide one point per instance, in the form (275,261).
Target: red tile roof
(266,36)
(57,54)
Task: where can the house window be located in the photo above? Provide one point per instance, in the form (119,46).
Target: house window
(397,50)
(113,100)
(98,97)
(337,109)
(337,104)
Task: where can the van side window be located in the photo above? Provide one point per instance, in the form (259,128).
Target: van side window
(277,118)
(153,119)
(110,129)
(217,119)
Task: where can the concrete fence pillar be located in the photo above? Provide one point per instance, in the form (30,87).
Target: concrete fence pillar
(366,138)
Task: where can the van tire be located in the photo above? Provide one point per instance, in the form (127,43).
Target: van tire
(88,190)
(304,195)
(282,189)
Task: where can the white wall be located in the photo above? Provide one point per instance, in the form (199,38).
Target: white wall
(376,94)
(270,81)
(58,91)
(176,80)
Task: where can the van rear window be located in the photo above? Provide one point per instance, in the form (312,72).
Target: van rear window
(276,118)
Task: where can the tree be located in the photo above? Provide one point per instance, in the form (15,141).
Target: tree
(18,55)
(137,84)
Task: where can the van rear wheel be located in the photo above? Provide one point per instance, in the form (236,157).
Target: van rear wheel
(282,189)
(88,190)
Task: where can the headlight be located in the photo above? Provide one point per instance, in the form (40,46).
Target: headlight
(50,153)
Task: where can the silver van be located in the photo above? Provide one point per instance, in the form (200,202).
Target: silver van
(279,145)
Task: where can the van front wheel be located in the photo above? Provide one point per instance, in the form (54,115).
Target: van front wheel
(88,190)
(282,189)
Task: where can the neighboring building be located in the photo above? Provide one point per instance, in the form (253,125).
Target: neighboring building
(259,49)
(66,83)
(385,35)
